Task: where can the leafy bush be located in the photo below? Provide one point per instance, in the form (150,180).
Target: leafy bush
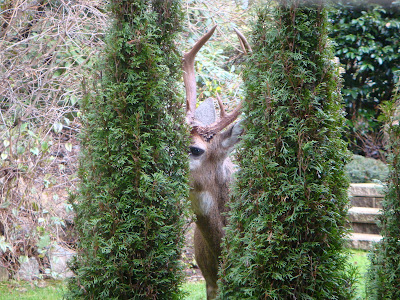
(366,169)
(284,238)
(47,49)
(134,162)
(367,42)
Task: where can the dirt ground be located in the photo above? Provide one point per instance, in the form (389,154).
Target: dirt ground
(192,271)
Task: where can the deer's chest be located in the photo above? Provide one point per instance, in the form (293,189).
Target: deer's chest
(202,202)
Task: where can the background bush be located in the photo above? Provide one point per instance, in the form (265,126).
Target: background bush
(47,49)
(367,38)
(362,169)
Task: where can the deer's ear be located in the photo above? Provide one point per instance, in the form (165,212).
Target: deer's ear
(231,136)
(205,112)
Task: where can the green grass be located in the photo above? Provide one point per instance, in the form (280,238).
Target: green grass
(54,290)
(359,259)
(35,290)
(195,290)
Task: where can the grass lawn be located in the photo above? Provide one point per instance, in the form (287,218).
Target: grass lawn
(35,290)
(195,290)
(53,290)
(360,260)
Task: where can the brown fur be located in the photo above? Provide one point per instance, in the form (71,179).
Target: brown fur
(211,175)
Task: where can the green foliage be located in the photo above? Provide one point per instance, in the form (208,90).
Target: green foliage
(367,42)
(285,238)
(365,169)
(384,274)
(134,163)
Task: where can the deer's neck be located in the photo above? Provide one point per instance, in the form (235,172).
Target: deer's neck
(210,189)
(209,195)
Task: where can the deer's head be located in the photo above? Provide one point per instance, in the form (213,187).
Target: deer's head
(211,144)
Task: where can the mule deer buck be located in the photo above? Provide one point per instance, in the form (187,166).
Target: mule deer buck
(211,169)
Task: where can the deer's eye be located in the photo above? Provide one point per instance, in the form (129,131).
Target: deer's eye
(196,151)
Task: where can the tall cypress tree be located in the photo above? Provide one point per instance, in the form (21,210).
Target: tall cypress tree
(285,238)
(384,272)
(133,164)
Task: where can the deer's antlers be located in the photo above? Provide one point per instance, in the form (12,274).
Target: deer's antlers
(189,79)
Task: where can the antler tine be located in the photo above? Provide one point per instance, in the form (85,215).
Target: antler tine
(243,42)
(189,76)
(222,113)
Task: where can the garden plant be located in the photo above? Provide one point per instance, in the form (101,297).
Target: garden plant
(285,235)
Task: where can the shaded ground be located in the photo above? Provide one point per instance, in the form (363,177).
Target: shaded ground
(192,271)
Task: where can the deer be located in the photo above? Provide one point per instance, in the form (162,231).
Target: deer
(210,168)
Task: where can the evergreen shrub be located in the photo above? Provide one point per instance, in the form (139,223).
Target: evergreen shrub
(384,272)
(133,166)
(285,238)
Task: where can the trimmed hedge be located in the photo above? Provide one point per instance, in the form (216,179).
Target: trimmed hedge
(133,167)
(285,238)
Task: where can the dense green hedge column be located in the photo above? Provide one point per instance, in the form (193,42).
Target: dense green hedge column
(134,162)
(287,224)
(384,273)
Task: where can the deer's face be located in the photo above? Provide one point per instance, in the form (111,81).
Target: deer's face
(208,155)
